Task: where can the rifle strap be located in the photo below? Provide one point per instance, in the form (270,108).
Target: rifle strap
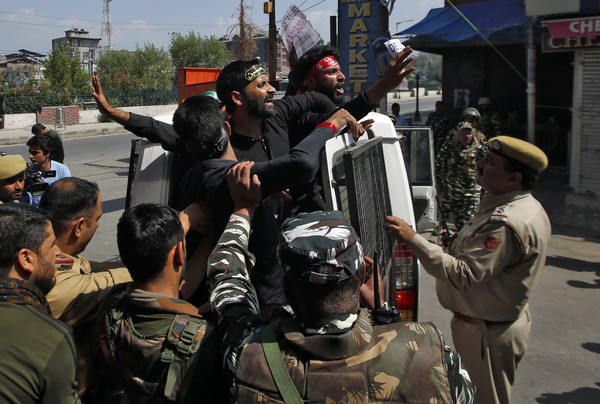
(282,378)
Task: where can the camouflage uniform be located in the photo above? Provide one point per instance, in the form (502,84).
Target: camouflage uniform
(341,359)
(490,124)
(164,351)
(456,170)
(440,125)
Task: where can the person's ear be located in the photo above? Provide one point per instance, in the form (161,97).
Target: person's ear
(179,255)
(515,178)
(78,227)
(238,98)
(311,84)
(227,127)
(26,260)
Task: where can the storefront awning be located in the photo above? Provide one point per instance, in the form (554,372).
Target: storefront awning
(489,17)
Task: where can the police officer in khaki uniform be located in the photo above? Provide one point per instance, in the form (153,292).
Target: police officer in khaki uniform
(12,180)
(488,271)
(76,207)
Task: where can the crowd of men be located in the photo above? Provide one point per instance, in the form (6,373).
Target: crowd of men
(245,289)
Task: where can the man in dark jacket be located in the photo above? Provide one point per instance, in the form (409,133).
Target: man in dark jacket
(37,353)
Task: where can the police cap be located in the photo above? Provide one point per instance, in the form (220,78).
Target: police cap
(521,151)
(311,240)
(11,165)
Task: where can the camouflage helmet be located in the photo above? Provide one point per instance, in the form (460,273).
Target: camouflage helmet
(471,112)
(311,240)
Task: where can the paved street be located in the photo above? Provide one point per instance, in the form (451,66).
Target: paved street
(562,364)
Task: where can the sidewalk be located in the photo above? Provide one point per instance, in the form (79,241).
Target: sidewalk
(20,136)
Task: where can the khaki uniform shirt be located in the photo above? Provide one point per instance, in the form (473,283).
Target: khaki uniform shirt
(81,289)
(494,262)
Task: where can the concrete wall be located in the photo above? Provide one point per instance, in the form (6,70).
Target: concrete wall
(20,121)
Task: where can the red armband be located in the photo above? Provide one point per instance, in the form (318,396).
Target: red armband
(327,124)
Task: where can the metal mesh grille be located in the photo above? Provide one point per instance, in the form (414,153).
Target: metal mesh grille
(364,198)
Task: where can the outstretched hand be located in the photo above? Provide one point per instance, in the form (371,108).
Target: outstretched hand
(392,76)
(399,229)
(342,118)
(244,187)
(104,107)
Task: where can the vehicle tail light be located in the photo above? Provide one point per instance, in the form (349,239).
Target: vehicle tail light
(406,296)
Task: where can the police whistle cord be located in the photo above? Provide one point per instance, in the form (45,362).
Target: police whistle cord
(446,233)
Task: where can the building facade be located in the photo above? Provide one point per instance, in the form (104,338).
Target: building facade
(19,68)
(87,47)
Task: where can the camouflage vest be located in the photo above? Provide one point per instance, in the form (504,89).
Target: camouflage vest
(154,368)
(395,363)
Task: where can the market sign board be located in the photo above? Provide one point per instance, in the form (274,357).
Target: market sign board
(359,20)
(551,44)
(574,27)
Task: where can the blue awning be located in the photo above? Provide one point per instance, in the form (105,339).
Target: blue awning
(490,17)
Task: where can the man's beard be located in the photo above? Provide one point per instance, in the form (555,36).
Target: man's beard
(330,91)
(44,278)
(259,109)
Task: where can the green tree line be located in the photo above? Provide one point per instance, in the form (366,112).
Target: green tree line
(143,76)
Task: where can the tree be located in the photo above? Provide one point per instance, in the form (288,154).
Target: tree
(112,65)
(152,67)
(63,71)
(245,46)
(193,50)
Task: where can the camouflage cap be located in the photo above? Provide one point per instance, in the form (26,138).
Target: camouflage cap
(520,150)
(11,165)
(471,112)
(311,240)
(464,126)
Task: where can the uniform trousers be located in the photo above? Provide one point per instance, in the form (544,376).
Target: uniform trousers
(491,352)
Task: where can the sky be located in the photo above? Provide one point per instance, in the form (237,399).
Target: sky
(32,24)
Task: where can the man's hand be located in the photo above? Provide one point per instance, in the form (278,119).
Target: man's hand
(392,77)
(244,188)
(342,118)
(104,107)
(367,289)
(399,229)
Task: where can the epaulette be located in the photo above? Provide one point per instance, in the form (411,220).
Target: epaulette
(64,264)
(498,215)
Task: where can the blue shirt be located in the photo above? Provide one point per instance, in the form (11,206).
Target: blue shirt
(62,171)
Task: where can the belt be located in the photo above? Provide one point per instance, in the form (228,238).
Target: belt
(475,320)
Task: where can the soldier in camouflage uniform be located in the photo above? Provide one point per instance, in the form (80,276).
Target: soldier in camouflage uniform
(164,350)
(490,120)
(439,123)
(457,172)
(330,349)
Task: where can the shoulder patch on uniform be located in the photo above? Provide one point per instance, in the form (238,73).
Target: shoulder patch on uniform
(64,267)
(64,260)
(498,215)
(64,264)
(490,243)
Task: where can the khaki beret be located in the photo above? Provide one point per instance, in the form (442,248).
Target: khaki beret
(520,150)
(11,165)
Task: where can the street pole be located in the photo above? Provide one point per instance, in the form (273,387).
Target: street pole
(417,117)
(272,39)
(531,80)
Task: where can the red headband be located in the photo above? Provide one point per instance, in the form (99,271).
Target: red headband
(325,63)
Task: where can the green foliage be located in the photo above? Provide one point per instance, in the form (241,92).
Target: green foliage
(63,72)
(193,50)
(148,68)
(27,99)
(111,66)
(152,68)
